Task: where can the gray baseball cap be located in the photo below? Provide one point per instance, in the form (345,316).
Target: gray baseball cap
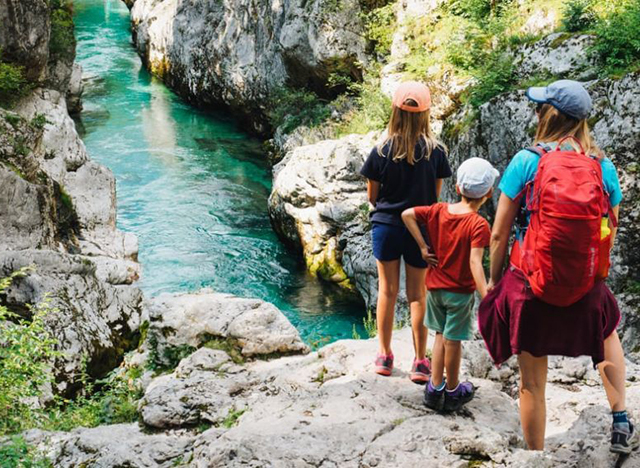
(475,177)
(568,96)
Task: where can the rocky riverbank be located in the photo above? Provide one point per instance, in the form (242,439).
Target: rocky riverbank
(328,409)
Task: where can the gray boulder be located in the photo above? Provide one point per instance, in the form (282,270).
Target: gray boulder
(205,388)
(253,326)
(113,446)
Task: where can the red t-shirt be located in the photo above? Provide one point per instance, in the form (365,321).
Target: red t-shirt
(451,238)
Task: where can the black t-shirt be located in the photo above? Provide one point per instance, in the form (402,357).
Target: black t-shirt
(402,185)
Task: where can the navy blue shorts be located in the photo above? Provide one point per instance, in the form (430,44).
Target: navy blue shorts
(390,242)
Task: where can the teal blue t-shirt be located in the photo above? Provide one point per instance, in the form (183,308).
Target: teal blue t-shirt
(524,165)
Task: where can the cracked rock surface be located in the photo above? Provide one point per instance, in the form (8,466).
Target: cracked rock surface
(328,409)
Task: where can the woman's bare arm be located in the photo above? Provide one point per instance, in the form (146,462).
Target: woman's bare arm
(614,230)
(505,216)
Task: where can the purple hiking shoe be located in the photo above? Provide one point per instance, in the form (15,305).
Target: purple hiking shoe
(456,398)
(433,398)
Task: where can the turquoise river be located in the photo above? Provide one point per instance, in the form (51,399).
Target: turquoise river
(192,186)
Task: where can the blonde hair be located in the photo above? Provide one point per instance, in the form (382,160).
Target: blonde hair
(405,130)
(554,125)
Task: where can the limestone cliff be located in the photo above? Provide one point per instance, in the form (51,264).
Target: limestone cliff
(240,54)
(57,209)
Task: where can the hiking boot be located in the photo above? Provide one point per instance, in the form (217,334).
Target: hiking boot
(624,438)
(433,398)
(384,364)
(455,399)
(420,371)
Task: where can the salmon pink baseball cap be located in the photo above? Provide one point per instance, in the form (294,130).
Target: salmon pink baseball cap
(412,90)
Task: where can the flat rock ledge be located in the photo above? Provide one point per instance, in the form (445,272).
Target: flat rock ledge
(256,328)
(328,409)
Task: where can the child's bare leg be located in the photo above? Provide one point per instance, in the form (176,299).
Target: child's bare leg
(613,372)
(388,285)
(533,408)
(452,358)
(416,296)
(437,361)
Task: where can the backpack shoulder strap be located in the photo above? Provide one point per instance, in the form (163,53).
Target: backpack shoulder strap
(539,150)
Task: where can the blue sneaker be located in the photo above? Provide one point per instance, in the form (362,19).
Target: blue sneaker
(433,398)
(456,398)
(624,438)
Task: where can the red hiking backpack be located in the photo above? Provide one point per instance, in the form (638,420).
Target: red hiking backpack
(562,254)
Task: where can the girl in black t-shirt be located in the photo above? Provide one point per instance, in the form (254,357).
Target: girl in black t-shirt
(406,170)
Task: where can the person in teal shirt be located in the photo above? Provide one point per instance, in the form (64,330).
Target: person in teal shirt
(512,320)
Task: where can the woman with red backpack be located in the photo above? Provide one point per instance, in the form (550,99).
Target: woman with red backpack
(563,196)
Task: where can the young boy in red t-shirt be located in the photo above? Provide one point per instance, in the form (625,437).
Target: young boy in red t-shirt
(457,236)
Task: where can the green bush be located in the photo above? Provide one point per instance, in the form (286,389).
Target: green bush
(496,76)
(16,453)
(113,400)
(478,10)
(13,84)
(467,49)
(26,355)
(62,41)
(617,44)
(578,15)
(291,108)
(373,108)
(380,25)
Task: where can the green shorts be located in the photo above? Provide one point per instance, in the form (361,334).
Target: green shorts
(450,313)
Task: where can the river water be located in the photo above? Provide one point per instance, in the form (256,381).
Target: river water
(192,186)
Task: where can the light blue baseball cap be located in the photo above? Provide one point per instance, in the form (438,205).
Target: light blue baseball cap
(568,96)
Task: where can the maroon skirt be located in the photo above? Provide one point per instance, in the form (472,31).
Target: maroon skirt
(512,320)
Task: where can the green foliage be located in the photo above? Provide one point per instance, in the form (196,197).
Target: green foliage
(62,42)
(26,355)
(468,48)
(373,108)
(229,346)
(354,333)
(169,358)
(632,287)
(478,10)
(617,44)
(291,108)
(113,400)
(495,76)
(232,417)
(15,452)
(380,24)
(13,84)
(577,15)
(370,325)
(39,121)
